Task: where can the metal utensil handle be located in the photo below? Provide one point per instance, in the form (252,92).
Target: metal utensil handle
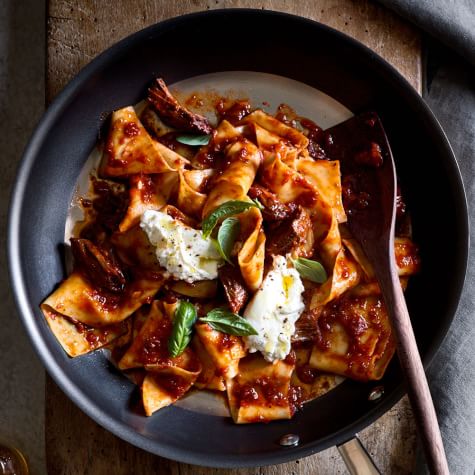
(357,459)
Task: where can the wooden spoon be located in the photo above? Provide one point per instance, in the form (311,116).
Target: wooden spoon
(361,146)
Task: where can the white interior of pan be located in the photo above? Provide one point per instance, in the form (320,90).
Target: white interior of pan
(265,91)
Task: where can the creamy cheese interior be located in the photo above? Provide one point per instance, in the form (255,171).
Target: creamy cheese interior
(273,311)
(181,250)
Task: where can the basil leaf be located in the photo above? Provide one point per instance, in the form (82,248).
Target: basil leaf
(195,140)
(258,203)
(227,234)
(185,317)
(226,209)
(310,270)
(225,321)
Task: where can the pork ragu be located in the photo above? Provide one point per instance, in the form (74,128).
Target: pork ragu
(214,255)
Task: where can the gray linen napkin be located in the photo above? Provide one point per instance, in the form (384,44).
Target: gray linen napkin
(452,374)
(450,21)
(451,96)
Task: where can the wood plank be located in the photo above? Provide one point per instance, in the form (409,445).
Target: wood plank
(77,32)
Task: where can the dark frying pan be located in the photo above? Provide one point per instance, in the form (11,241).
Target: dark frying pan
(246,40)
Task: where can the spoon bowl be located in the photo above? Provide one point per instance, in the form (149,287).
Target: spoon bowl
(367,163)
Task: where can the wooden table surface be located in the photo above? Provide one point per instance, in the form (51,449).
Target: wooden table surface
(77,32)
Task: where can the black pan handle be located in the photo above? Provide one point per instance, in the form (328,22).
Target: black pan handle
(357,459)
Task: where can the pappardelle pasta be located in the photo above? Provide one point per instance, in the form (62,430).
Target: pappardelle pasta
(215,256)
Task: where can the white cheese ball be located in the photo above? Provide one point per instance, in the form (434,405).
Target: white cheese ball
(273,311)
(181,250)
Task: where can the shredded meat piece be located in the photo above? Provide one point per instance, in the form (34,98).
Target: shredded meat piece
(233,112)
(306,328)
(316,151)
(98,265)
(293,235)
(173,113)
(234,287)
(274,209)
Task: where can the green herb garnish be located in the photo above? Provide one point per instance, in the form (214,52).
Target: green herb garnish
(194,140)
(185,317)
(310,270)
(227,234)
(258,204)
(227,209)
(225,321)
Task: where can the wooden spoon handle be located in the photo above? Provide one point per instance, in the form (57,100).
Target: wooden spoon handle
(413,371)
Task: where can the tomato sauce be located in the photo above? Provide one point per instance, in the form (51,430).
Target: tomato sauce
(307,374)
(147,188)
(225,342)
(233,112)
(371,157)
(131,129)
(172,384)
(155,346)
(263,391)
(94,337)
(296,398)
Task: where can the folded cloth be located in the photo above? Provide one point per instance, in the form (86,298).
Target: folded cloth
(451,96)
(450,21)
(451,376)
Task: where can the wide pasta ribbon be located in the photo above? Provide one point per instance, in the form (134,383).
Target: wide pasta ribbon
(80,301)
(153,192)
(134,249)
(354,338)
(252,253)
(143,195)
(129,149)
(78,339)
(407,264)
(149,348)
(345,275)
(243,159)
(224,350)
(301,179)
(167,378)
(284,133)
(210,377)
(325,175)
(291,187)
(189,197)
(260,391)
